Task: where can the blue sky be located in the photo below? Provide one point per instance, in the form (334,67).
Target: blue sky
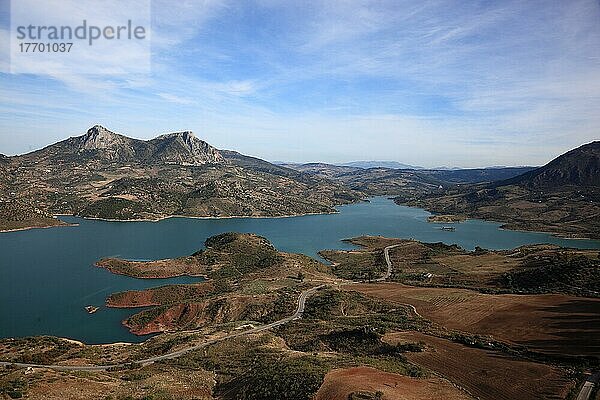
(456,83)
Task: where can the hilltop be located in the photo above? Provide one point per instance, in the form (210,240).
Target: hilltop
(103,174)
(562,197)
(429,332)
(102,145)
(407,183)
(578,167)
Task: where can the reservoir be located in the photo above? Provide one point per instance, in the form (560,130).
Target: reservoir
(47,276)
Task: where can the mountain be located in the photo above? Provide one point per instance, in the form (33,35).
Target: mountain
(446,168)
(102,145)
(379,164)
(478,175)
(103,174)
(562,197)
(328,171)
(182,148)
(578,167)
(404,182)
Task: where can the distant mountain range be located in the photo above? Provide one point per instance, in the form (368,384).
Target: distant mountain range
(103,174)
(562,196)
(379,164)
(395,165)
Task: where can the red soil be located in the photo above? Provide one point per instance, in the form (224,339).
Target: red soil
(486,374)
(340,383)
(158,296)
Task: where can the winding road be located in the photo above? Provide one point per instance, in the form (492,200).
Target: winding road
(386,254)
(169,356)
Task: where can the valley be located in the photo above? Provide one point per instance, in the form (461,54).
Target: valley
(374,317)
(561,197)
(344,338)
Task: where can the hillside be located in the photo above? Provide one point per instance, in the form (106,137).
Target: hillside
(238,335)
(562,197)
(578,167)
(4,161)
(407,183)
(103,174)
(380,164)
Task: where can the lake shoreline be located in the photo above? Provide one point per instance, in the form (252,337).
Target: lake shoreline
(61,271)
(463,218)
(27,228)
(199,217)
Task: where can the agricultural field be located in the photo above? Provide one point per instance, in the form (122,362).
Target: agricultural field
(487,374)
(551,323)
(354,340)
(368,383)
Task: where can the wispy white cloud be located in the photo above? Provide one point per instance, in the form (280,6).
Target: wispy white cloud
(443,82)
(175,99)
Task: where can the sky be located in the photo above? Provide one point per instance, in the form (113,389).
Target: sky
(433,83)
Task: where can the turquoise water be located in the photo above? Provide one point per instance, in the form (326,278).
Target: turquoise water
(48,275)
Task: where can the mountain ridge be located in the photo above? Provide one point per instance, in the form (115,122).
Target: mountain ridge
(561,197)
(103,174)
(579,167)
(366,164)
(107,146)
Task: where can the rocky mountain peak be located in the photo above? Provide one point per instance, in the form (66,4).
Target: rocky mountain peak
(101,145)
(98,137)
(184,147)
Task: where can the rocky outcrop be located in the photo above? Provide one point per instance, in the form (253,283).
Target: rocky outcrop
(183,148)
(103,146)
(108,145)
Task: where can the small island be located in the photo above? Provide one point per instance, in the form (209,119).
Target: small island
(266,320)
(446,218)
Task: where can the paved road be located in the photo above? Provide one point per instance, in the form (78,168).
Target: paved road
(588,386)
(298,314)
(388,273)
